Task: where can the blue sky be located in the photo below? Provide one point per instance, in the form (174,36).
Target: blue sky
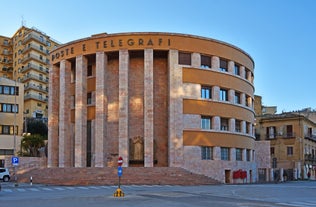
(278,34)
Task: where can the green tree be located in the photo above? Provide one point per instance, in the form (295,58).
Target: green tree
(31,145)
(37,126)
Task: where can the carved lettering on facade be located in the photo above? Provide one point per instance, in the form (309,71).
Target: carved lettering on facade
(113,43)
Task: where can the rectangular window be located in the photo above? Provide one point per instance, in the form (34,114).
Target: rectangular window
(6,90)
(184,58)
(223,65)
(248,155)
(225,153)
(206,153)
(224,124)
(223,95)
(89,98)
(89,72)
(206,122)
(238,154)
(237,126)
(271,132)
(237,98)
(206,62)
(206,92)
(236,69)
(289,151)
(272,150)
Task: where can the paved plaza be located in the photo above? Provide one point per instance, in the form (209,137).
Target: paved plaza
(300,193)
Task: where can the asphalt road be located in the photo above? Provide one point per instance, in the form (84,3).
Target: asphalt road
(300,193)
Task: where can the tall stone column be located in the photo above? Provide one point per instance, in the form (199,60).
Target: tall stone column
(215,62)
(53,113)
(149,108)
(123,106)
(81,112)
(101,108)
(175,111)
(64,115)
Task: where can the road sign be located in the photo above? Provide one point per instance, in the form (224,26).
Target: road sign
(119,171)
(15,160)
(120,161)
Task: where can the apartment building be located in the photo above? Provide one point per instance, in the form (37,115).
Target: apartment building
(25,58)
(292,137)
(11,117)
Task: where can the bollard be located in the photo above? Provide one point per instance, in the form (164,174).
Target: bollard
(118,193)
(31,180)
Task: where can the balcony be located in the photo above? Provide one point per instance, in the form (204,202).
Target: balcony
(37,88)
(310,158)
(7,69)
(32,36)
(35,57)
(34,47)
(310,137)
(31,66)
(280,135)
(36,97)
(34,77)
(6,52)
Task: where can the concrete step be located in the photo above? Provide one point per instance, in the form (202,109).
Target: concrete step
(109,176)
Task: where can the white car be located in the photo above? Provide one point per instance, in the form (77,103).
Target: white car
(4,174)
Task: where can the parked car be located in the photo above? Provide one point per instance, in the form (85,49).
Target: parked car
(4,174)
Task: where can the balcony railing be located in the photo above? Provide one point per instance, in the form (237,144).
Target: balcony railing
(37,97)
(34,77)
(35,67)
(35,57)
(285,135)
(310,158)
(310,136)
(39,49)
(38,88)
(34,37)
(5,52)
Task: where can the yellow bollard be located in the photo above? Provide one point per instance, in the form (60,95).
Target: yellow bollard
(118,193)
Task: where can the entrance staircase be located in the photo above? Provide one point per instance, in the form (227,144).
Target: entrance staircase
(109,176)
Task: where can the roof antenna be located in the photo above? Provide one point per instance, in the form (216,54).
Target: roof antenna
(22,21)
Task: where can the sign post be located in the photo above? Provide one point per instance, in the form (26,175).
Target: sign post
(119,192)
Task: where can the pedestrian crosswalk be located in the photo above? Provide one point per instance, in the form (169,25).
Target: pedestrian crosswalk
(69,188)
(299,203)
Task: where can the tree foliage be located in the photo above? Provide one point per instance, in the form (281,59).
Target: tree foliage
(32,144)
(36,126)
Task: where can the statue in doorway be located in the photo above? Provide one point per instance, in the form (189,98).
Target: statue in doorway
(137,148)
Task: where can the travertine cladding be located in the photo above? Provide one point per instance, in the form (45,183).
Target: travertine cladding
(123,105)
(175,111)
(149,108)
(196,60)
(263,155)
(193,162)
(81,111)
(53,111)
(191,90)
(101,109)
(191,121)
(64,115)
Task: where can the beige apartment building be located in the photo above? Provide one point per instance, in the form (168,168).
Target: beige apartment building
(11,117)
(292,137)
(24,57)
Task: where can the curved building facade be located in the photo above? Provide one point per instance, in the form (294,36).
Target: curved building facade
(155,99)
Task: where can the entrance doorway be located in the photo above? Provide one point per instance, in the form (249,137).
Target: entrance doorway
(227,176)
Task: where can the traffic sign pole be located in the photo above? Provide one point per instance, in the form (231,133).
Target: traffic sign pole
(119,192)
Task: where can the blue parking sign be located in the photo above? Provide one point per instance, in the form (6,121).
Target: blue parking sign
(15,160)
